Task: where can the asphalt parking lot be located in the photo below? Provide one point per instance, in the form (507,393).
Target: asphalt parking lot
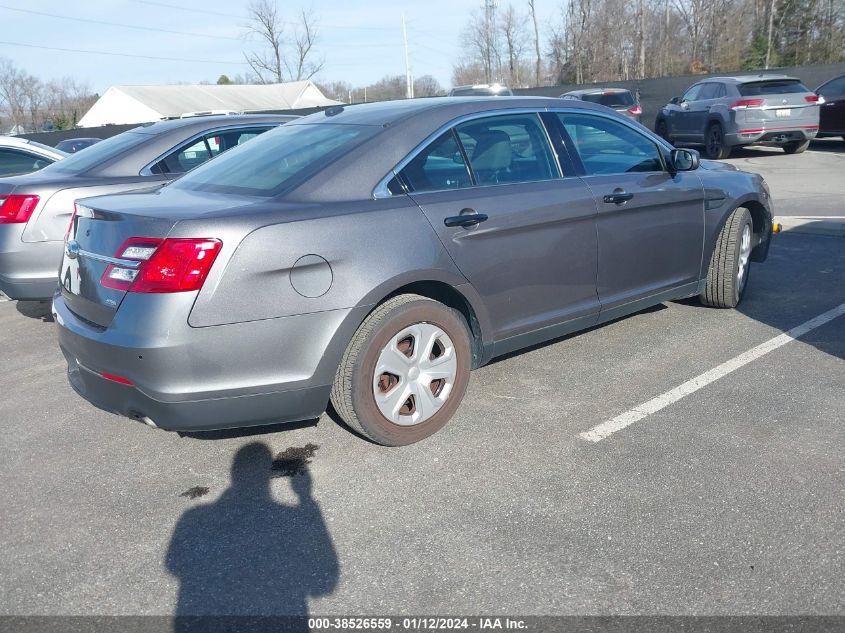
(725,500)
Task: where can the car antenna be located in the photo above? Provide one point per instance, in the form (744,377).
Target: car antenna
(332,111)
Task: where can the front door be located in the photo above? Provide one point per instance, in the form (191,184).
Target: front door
(650,223)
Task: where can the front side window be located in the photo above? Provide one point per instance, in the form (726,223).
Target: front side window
(196,152)
(13,162)
(692,93)
(508,149)
(608,147)
(835,88)
(439,166)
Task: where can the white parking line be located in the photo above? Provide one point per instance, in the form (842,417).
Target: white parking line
(641,411)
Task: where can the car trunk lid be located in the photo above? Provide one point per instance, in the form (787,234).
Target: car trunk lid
(777,105)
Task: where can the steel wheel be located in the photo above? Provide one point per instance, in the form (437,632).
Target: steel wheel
(744,254)
(414,374)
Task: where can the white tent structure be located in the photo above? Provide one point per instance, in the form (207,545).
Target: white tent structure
(142,104)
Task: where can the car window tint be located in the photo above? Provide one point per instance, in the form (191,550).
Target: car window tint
(709,91)
(13,162)
(102,152)
(199,151)
(611,99)
(275,161)
(835,88)
(439,166)
(508,148)
(608,147)
(777,87)
(692,93)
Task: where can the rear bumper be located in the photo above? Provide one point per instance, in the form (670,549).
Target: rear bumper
(203,379)
(28,270)
(774,135)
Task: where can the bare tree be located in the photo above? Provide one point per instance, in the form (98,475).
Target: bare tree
(427,86)
(281,58)
(512,27)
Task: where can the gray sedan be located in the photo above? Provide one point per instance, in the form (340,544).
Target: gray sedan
(35,209)
(373,255)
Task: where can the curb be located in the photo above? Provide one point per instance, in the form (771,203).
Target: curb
(812,225)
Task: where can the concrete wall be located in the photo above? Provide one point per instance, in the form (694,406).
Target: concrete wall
(655,93)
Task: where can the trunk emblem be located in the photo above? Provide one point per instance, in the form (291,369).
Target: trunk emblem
(784,101)
(72,249)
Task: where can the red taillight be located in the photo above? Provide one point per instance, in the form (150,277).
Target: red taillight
(70,224)
(17,208)
(814,99)
(635,110)
(743,104)
(170,265)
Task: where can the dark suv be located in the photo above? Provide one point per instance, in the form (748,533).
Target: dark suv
(832,122)
(726,112)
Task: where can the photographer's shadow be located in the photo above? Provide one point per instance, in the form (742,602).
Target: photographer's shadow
(247,555)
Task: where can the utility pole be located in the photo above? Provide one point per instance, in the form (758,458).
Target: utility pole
(409,79)
(769,38)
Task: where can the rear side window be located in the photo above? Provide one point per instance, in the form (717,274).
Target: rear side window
(835,88)
(711,91)
(608,147)
(101,152)
(508,148)
(773,87)
(274,161)
(13,162)
(611,99)
(196,152)
(439,166)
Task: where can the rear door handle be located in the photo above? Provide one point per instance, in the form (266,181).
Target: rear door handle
(465,220)
(618,197)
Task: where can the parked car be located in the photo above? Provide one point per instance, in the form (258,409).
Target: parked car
(73,145)
(374,254)
(35,210)
(726,112)
(621,100)
(832,119)
(22,156)
(481,90)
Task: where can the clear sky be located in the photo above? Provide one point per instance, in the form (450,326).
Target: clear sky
(360,41)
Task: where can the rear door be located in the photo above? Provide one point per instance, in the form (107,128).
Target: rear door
(650,223)
(532,253)
(833,110)
(699,110)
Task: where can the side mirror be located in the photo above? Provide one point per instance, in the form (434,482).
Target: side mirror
(684,160)
(675,100)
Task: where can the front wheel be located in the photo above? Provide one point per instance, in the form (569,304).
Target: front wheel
(727,276)
(714,143)
(795,147)
(405,371)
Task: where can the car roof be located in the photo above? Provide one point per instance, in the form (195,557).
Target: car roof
(25,143)
(387,113)
(744,79)
(203,122)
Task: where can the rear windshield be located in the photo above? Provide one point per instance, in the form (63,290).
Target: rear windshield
(275,160)
(610,99)
(100,152)
(773,87)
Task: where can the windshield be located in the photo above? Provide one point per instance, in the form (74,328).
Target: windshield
(610,99)
(778,87)
(100,152)
(275,160)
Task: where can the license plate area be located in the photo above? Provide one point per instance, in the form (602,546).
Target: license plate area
(783,112)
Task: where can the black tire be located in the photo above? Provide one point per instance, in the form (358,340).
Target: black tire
(795,147)
(723,288)
(353,395)
(714,143)
(662,130)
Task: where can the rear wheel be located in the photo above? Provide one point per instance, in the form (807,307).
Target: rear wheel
(727,276)
(405,371)
(795,147)
(714,143)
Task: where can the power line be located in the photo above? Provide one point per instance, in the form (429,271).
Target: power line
(127,26)
(113,54)
(242,17)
